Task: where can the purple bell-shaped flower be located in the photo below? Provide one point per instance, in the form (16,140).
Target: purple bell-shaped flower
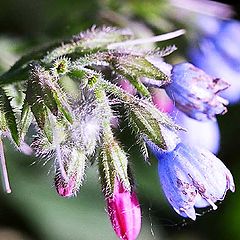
(192,177)
(195,93)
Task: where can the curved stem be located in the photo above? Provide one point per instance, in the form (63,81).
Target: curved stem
(159,38)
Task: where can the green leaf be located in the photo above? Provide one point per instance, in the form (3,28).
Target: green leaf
(20,70)
(35,55)
(14,75)
(9,116)
(94,40)
(101,37)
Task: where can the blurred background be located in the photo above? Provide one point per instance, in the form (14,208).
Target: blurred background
(33,211)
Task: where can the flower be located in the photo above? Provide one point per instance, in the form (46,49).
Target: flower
(198,130)
(192,177)
(161,100)
(124,212)
(195,92)
(218,52)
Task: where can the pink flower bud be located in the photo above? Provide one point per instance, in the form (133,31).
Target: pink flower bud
(124,212)
(161,100)
(69,171)
(127,86)
(65,188)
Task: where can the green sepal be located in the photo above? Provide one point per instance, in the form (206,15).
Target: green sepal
(120,163)
(26,119)
(76,73)
(139,66)
(38,108)
(113,163)
(147,121)
(56,101)
(3,124)
(62,105)
(134,68)
(43,91)
(35,101)
(54,98)
(106,172)
(43,85)
(50,100)
(48,126)
(144,118)
(75,168)
(143,123)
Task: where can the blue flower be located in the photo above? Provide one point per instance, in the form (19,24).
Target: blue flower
(195,93)
(192,177)
(198,130)
(217,52)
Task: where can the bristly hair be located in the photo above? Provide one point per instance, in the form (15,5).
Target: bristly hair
(96,32)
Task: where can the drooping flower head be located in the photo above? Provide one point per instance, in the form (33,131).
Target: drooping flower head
(72,93)
(195,92)
(192,178)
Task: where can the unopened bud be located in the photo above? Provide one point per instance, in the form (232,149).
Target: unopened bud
(70,171)
(124,212)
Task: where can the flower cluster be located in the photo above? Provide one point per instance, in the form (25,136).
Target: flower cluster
(72,93)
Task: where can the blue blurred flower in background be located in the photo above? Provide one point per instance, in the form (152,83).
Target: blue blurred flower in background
(217,51)
(199,130)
